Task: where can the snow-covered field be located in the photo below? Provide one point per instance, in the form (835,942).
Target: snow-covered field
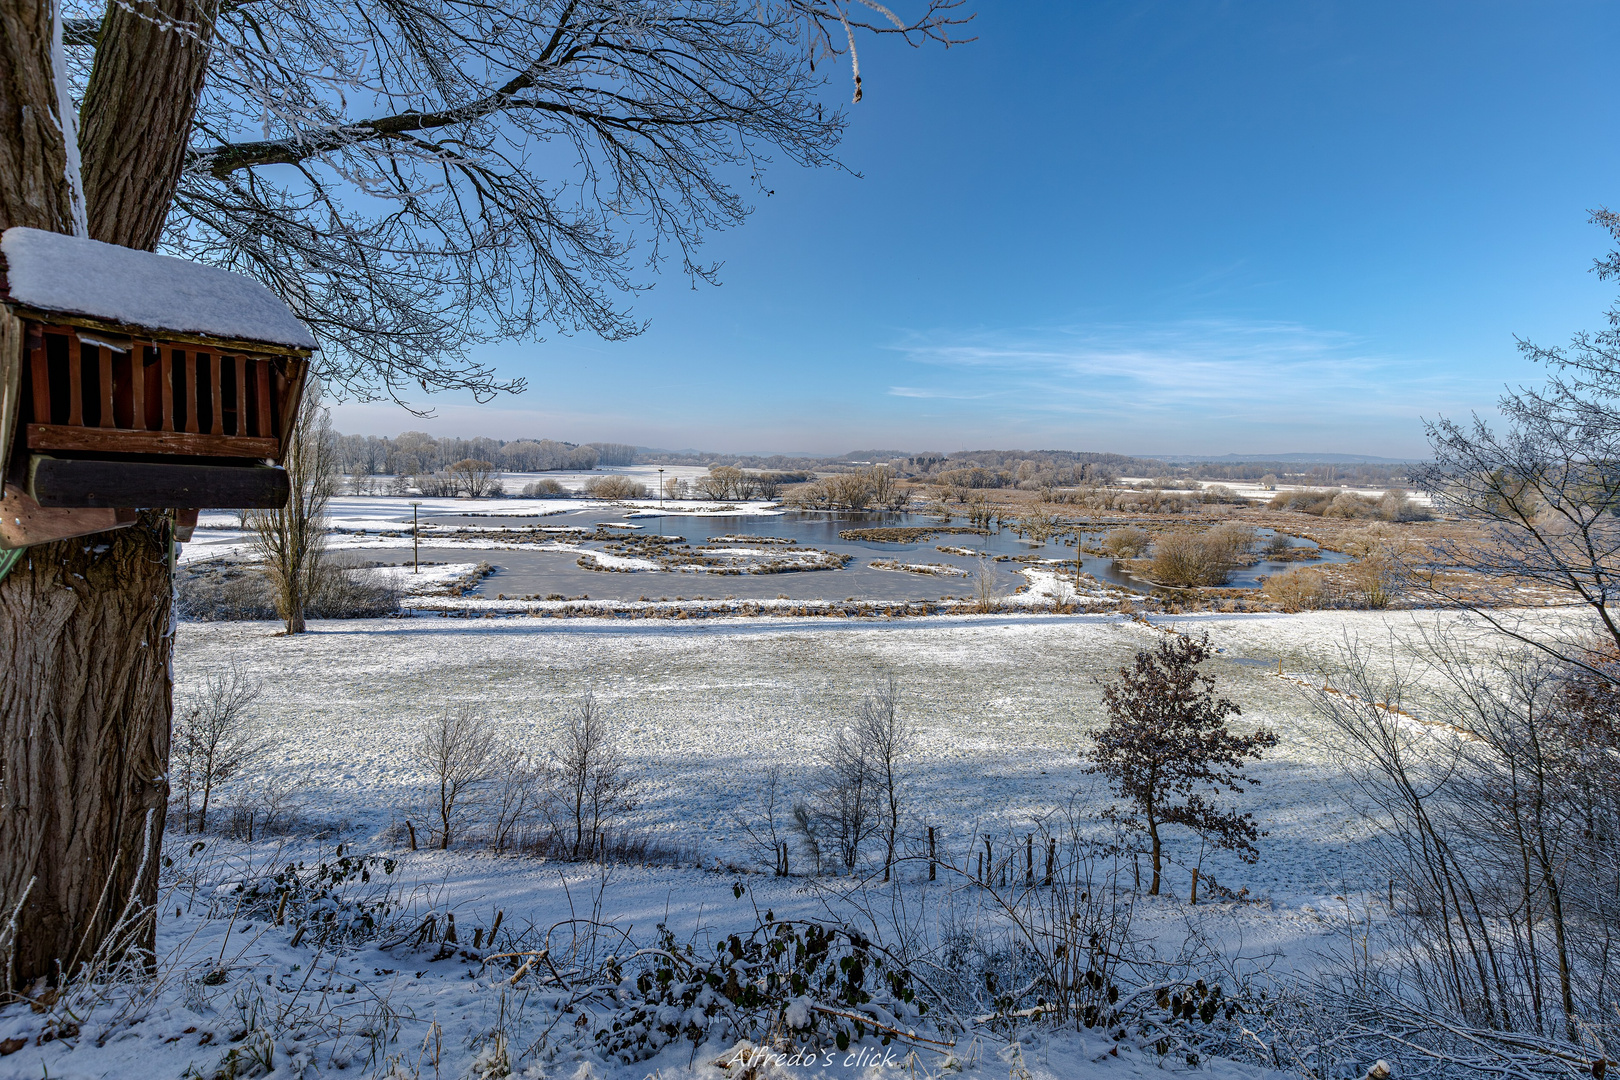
(1253,489)
(1001,703)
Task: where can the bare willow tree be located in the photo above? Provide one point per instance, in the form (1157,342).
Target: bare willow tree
(413,179)
(291,540)
(1546,488)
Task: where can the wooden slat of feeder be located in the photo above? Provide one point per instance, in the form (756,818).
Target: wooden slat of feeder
(41,378)
(166,385)
(23,522)
(75,381)
(215,367)
(137,385)
(262,424)
(239,364)
(191,389)
(95,440)
(106,356)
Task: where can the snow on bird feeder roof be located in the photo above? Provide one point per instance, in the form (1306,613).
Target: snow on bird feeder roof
(70,275)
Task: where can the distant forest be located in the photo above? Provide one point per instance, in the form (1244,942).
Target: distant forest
(414,453)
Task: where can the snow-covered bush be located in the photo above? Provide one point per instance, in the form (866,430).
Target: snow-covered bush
(216,593)
(545,488)
(1126,542)
(1299,588)
(615,487)
(341,901)
(1187,557)
(805,982)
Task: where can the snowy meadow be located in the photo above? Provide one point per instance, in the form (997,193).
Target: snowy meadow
(316,928)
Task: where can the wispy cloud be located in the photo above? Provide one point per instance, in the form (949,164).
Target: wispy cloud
(923,392)
(1215,367)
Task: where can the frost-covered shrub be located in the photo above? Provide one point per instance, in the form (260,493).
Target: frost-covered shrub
(808,983)
(1126,543)
(1382,559)
(229,593)
(345,900)
(1396,505)
(353,593)
(614,487)
(216,593)
(1232,540)
(1347,504)
(1220,493)
(1298,588)
(435,485)
(545,489)
(1187,558)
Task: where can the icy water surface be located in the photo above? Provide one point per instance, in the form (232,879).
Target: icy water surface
(527,572)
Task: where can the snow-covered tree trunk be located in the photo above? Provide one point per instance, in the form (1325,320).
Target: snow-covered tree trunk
(34,185)
(148,73)
(86,625)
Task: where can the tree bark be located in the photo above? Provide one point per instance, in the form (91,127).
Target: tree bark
(84,729)
(34,186)
(137,114)
(85,624)
(1153,833)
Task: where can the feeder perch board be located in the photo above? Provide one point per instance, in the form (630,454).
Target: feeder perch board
(130,380)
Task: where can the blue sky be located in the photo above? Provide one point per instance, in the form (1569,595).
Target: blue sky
(1181,227)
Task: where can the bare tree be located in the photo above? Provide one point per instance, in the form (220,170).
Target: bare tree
(1493,804)
(886,739)
(457,750)
(986,592)
(843,807)
(516,795)
(1544,491)
(474,478)
(1167,738)
(215,737)
(722,483)
(292,539)
(763,822)
(590,785)
(656,103)
(1037,524)
(767,485)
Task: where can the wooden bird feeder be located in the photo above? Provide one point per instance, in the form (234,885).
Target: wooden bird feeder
(130,380)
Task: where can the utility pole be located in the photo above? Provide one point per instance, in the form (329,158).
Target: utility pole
(660,487)
(416,541)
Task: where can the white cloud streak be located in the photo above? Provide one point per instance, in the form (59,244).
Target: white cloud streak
(1215,368)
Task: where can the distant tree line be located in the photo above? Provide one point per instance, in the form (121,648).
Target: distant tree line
(415,453)
(1305,474)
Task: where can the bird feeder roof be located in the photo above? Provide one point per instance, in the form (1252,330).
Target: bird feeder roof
(53,273)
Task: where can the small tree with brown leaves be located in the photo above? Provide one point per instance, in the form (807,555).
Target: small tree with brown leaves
(1166,750)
